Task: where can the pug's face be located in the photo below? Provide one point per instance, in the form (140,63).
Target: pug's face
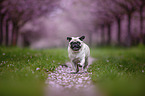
(75,43)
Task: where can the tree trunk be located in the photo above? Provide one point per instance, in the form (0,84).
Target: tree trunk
(109,34)
(14,34)
(1,28)
(17,28)
(102,35)
(7,32)
(129,39)
(141,24)
(119,31)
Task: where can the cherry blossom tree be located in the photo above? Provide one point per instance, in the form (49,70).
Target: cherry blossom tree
(140,6)
(2,14)
(129,7)
(21,11)
(105,17)
(116,12)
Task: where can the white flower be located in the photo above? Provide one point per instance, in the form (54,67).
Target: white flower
(107,60)
(121,65)
(80,80)
(53,61)
(86,78)
(32,71)
(37,68)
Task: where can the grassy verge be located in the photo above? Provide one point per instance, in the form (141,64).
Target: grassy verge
(119,71)
(23,71)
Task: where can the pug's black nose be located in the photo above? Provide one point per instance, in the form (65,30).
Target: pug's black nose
(75,45)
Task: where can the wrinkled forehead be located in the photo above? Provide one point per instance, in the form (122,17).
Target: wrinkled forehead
(76,39)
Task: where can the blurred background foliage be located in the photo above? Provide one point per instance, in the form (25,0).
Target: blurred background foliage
(47,23)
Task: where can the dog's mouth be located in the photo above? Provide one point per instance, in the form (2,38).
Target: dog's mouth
(75,49)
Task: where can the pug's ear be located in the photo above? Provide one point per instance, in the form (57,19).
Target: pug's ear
(69,39)
(82,38)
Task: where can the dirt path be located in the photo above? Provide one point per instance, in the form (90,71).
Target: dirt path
(62,83)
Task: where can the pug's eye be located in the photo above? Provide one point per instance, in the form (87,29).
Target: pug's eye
(71,43)
(78,42)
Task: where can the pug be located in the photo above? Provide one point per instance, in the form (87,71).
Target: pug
(78,53)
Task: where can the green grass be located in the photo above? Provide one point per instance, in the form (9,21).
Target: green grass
(18,74)
(119,71)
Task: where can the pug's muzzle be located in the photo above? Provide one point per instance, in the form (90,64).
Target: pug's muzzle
(75,46)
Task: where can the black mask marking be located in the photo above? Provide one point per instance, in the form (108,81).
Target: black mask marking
(75,46)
